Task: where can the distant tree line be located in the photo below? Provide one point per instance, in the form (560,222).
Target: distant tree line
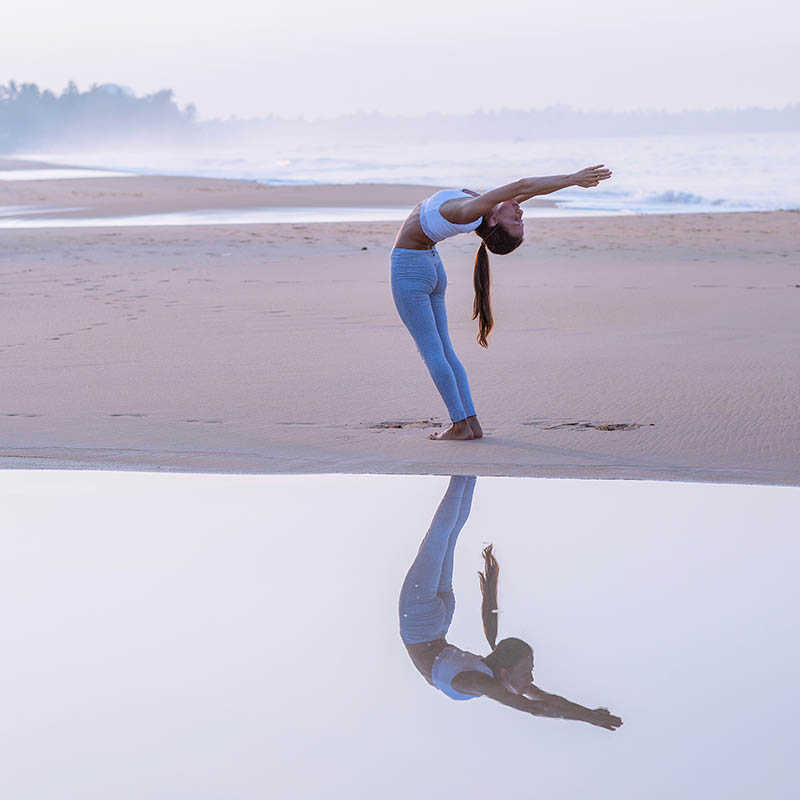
(554,121)
(112,115)
(31,119)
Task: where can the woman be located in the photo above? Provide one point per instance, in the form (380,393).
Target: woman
(419,280)
(427,604)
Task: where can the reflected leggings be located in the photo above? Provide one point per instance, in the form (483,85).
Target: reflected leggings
(427,601)
(418,285)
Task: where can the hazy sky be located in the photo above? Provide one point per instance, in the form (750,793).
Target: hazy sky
(318,58)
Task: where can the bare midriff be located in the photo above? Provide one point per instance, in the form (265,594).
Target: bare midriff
(424,654)
(410,235)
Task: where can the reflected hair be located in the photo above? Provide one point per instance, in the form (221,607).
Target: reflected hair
(507,652)
(498,240)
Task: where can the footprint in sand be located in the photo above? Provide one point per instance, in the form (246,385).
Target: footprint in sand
(556,425)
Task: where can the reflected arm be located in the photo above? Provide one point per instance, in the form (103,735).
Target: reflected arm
(534,701)
(566,709)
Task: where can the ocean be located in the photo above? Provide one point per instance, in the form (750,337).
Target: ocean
(652,174)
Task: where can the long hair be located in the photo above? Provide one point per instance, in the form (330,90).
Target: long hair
(508,651)
(499,241)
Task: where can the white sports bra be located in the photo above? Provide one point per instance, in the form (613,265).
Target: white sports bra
(434,225)
(453,661)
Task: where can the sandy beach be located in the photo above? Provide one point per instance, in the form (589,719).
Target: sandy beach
(657,347)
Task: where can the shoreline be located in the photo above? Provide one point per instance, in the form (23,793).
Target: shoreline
(197,463)
(135,195)
(275,348)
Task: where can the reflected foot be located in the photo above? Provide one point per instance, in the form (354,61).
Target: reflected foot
(458,430)
(475,427)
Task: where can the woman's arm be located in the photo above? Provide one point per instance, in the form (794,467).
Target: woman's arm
(586,178)
(601,717)
(544,705)
(546,186)
(469,209)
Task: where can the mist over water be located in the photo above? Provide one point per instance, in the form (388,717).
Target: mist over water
(735,159)
(665,173)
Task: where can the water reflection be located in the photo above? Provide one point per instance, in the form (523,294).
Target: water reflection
(426,608)
(169,636)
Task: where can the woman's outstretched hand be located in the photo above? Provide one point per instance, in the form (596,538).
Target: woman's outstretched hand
(603,718)
(591,176)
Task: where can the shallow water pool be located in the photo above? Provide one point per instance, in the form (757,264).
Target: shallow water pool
(210,636)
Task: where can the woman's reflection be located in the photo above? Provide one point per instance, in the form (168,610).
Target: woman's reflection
(427,604)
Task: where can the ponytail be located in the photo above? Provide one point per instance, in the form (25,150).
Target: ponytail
(482,306)
(488,580)
(497,240)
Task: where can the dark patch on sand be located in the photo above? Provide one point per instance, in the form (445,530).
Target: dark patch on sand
(406,423)
(582,425)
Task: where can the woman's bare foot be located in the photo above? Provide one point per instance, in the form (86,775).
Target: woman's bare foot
(475,427)
(458,430)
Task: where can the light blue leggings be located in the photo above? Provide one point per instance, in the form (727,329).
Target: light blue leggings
(418,285)
(427,601)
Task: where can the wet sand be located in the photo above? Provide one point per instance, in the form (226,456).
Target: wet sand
(633,347)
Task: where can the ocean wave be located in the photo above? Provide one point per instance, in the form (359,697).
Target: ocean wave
(668,201)
(672,196)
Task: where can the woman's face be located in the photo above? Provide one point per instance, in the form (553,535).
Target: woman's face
(518,678)
(509,215)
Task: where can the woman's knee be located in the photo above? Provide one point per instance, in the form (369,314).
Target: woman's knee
(453,360)
(437,364)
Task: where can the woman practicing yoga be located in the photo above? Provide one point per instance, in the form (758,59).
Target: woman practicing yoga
(419,280)
(427,604)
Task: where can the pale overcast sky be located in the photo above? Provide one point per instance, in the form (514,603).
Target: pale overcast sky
(319,58)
